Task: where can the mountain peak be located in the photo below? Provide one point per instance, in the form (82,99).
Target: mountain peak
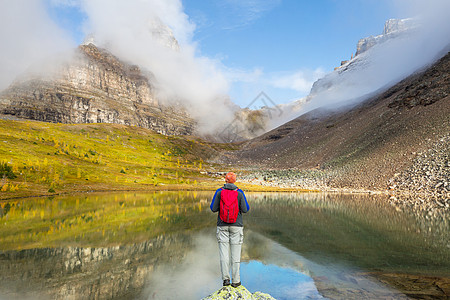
(392,29)
(94,87)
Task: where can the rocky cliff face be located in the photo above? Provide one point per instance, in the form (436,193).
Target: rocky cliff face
(95,87)
(392,28)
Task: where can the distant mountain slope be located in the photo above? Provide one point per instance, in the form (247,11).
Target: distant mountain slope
(366,145)
(402,49)
(93,87)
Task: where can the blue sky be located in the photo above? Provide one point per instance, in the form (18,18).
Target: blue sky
(286,39)
(288,34)
(277,46)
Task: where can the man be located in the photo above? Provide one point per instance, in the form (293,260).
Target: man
(230,202)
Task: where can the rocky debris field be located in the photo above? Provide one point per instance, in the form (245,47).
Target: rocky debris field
(301,179)
(425,184)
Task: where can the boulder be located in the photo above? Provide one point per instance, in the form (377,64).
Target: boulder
(230,293)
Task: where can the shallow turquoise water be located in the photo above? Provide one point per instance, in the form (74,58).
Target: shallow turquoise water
(280,282)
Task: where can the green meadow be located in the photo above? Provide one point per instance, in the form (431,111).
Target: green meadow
(38,158)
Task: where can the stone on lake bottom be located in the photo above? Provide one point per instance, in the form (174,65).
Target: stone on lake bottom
(230,293)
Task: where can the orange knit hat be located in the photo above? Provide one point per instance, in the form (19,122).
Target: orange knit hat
(230,177)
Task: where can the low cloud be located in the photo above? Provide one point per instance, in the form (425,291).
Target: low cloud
(141,32)
(300,81)
(28,36)
(154,34)
(289,85)
(389,62)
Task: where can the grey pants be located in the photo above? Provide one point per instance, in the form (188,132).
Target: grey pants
(230,239)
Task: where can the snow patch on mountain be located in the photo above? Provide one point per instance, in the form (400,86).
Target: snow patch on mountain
(404,48)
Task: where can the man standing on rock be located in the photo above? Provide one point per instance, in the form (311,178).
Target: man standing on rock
(230,202)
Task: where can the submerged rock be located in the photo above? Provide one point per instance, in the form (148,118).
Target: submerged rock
(230,293)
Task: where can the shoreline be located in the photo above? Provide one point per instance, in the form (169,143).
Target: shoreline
(250,185)
(252,181)
(423,200)
(210,186)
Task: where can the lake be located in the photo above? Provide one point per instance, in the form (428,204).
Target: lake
(161,245)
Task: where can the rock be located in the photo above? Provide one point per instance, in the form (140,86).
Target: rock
(230,293)
(94,87)
(392,29)
(396,25)
(426,178)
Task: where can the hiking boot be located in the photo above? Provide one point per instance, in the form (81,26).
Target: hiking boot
(235,285)
(226,282)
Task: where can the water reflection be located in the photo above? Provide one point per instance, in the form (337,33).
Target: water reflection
(85,272)
(198,273)
(142,245)
(98,219)
(361,231)
(302,278)
(277,270)
(280,283)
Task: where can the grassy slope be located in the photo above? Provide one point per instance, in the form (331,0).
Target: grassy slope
(62,158)
(85,157)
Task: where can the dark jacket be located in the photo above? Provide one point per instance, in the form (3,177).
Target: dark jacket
(243,205)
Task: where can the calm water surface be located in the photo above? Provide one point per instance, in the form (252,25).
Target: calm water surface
(161,245)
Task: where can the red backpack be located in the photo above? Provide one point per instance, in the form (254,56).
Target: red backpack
(229,205)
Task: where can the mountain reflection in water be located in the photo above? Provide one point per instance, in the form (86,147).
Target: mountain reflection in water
(162,244)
